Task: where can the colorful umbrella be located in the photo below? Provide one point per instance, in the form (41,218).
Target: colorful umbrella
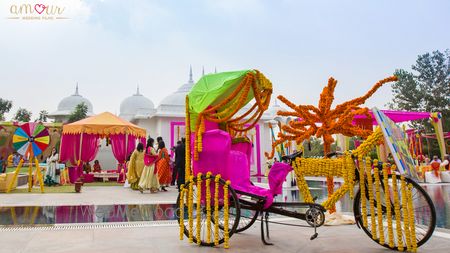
(31,139)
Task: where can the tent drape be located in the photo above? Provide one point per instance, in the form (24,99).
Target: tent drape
(120,148)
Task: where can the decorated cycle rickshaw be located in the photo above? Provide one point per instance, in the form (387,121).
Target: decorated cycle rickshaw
(219,200)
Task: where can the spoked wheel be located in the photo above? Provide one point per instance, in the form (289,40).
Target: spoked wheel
(233,218)
(424,215)
(246,220)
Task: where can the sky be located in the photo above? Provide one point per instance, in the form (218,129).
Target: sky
(111,46)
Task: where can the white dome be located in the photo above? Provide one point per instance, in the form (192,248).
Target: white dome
(136,106)
(179,96)
(175,103)
(68,104)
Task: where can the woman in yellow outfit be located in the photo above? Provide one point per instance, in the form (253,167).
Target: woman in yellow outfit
(136,166)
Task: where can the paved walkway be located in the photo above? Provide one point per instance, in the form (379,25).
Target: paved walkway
(98,195)
(164,239)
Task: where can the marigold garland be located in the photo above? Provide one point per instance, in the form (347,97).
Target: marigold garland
(405,212)
(388,205)
(398,225)
(199,207)
(371,199)
(181,207)
(190,208)
(411,219)
(208,207)
(225,215)
(188,142)
(378,198)
(216,210)
(362,187)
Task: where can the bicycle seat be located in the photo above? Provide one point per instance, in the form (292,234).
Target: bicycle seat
(292,156)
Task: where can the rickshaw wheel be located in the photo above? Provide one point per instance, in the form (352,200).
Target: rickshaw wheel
(424,213)
(246,220)
(233,220)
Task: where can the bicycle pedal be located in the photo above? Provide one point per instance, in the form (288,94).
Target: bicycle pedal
(314,236)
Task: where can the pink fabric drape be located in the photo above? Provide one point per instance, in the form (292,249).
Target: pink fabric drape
(70,148)
(70,152)
(120,148)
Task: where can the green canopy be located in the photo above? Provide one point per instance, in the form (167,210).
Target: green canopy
(213,88)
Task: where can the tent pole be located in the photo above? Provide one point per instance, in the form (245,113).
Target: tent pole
(79,154)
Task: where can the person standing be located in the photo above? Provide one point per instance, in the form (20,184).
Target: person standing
(52,166)
(163,166)
(149,179)
(136,167)
(180,162)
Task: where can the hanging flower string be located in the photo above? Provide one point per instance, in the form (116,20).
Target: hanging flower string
(199,207)
(225,215)
(208,207)
(362,186)
(190,208)
(216,210)
(388,206)
(181,212)
(405,213)
(398,223)
(378,198)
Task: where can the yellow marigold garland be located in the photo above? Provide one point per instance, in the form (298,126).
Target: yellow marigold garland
(398,224)
(362,187)
(371,200)
(378,199)
(376,138)
(199,207)
(405,212)
(188,142)
(216,210)
(181,212)
(388,205)
(412,222)
(208,207)
(190,208)
(225,215)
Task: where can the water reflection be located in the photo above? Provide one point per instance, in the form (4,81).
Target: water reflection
(439,194)
(29,215)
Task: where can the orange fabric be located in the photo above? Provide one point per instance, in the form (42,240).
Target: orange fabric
(163,167)
(435,166)
(104,124)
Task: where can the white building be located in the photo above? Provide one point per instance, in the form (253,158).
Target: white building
(67,105)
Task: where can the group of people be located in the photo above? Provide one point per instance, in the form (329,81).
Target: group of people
(149,167)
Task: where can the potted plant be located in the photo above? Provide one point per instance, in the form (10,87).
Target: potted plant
(78,184)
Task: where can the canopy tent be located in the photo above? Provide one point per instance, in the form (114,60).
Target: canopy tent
(79,142)
(402,116)
(396,116)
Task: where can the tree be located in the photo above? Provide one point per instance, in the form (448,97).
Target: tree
(43,116)
(79,113)
(23,115)
(5,107)
(425,88)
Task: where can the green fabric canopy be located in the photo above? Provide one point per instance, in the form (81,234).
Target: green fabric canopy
(213,88)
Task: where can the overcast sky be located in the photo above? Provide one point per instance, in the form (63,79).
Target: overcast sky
(110,46)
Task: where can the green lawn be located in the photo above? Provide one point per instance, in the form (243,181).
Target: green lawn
(23,170)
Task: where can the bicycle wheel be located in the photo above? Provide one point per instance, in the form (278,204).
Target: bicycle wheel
(233,220)
(248,217)
(424,214)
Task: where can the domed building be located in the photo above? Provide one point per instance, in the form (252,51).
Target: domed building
(68,104)
(136,106)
